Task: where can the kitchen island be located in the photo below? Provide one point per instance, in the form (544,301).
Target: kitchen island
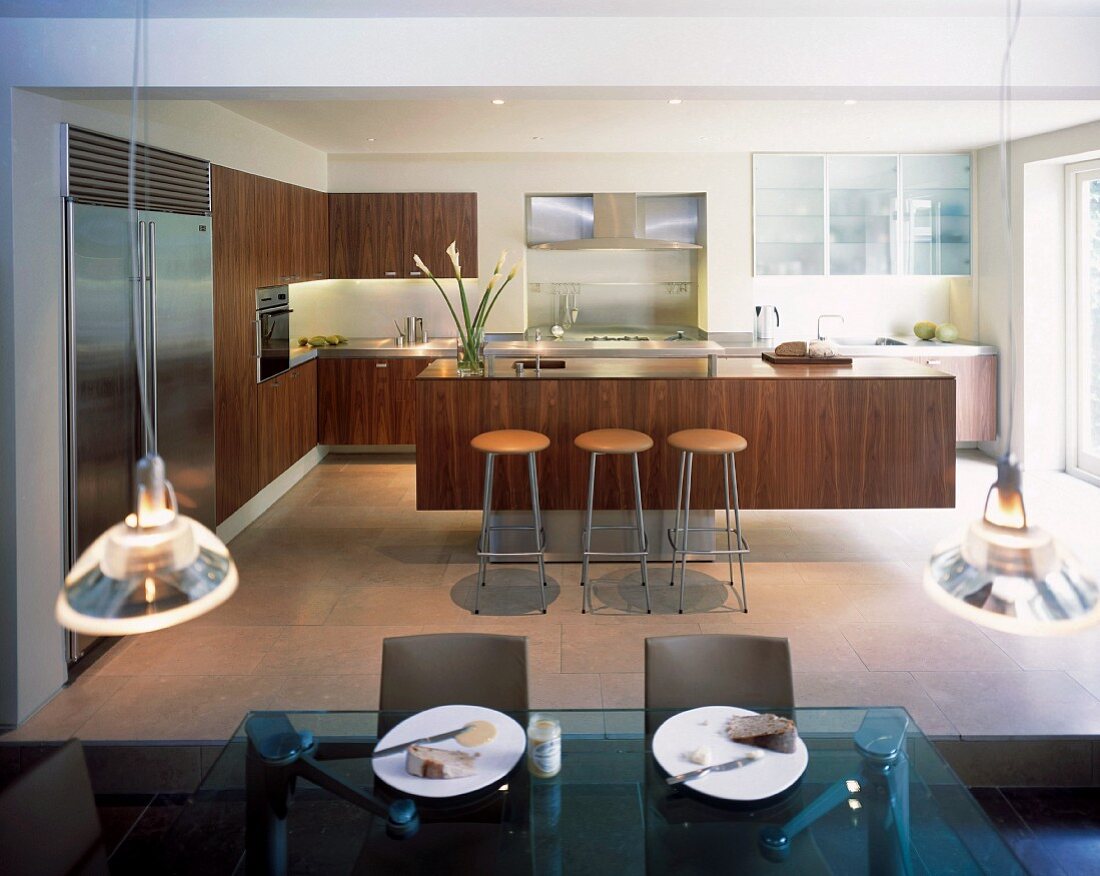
(879,433)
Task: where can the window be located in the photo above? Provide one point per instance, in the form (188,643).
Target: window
(1083,320)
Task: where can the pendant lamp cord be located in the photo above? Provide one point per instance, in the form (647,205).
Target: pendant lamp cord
(138,282)
(1012,23)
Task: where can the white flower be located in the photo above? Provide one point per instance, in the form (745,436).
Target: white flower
(420,264)
(512,273)
(500,261)
(452,253)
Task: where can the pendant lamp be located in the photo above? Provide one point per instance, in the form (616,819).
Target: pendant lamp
(1004,572)
(156,569)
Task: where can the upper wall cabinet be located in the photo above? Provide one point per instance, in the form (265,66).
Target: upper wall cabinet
(935,220)
(790,214)
(861,214)
(374,236)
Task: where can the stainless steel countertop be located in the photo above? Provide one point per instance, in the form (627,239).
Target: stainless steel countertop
(376,348)
(909,346)
(566,349)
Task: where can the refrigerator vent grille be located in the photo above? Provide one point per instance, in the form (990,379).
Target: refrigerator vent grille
(97,166)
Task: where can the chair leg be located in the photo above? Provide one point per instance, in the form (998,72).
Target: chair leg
(676,528)
(483,539)
(687,529)
(740,540)
(586,535)
(537,512)
(642,542)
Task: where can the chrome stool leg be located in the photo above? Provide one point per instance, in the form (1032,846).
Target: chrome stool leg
(540,545)
(687,529)
(676,528)
(586,536)
(741,546)
(643,542)
(483,538)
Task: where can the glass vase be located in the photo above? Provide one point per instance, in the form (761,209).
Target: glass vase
(471,354)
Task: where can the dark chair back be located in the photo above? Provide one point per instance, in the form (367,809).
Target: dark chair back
(419,672)
(685,672)
(48,820)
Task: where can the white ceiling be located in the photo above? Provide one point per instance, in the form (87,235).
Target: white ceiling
(534,8)
(476,125)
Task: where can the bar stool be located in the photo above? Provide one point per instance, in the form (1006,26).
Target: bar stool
(709,442)
(613,442)
(510,442)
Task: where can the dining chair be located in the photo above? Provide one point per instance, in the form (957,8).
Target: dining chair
(48,820)
(475,669)
(685,672)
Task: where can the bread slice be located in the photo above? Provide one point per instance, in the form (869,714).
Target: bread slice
(763,731)
(439,763)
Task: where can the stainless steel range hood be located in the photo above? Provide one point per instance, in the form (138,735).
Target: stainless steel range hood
(615,227)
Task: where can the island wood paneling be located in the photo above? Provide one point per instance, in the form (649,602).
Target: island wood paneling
(975,394)
(812,443)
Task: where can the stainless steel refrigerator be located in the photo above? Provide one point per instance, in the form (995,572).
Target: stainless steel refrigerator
(171,307)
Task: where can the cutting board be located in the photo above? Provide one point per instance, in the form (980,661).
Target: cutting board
(805,360)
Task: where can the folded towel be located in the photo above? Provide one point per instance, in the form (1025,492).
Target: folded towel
(791,348)
(822,350)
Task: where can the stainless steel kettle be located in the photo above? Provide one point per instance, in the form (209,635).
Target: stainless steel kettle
(767,321)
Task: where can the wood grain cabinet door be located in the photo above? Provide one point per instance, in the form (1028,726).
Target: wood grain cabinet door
(404,397)
(344,401)
(975,394)
(317,254)
(366,236)
(432,221)
(303,409)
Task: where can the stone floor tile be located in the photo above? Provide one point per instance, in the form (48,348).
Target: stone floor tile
(929,646)
(330,650)
(66,713)
(571,691)
(178,708)
(610,649)
(623,690)
(194,650)
(814,647)
(872,689)
(338,693)
(856,573)
(1013,703)
(1078,651)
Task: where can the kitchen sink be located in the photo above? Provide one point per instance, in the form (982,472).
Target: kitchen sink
(868,341)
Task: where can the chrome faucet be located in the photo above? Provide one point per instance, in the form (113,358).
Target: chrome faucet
(820,336)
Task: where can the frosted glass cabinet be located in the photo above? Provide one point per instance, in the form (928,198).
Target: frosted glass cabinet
(861,214)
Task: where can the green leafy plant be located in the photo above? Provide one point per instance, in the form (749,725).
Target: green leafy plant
(471,325)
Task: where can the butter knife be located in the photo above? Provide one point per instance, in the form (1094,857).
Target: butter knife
(717,768)
(439,737)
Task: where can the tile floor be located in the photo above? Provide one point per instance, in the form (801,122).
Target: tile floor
(344,560)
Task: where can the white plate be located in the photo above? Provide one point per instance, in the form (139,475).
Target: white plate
(495,759)
(682,734)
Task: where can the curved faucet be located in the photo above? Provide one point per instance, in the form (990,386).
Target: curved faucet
(820,336)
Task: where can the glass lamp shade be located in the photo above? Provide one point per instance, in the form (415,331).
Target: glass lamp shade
(1010,576)
(156,569)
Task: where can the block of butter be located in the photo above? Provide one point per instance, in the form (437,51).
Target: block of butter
(791,348)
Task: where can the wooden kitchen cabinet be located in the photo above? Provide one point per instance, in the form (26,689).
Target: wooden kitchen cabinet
(302,409)
(374,236)
(975,393)
(367,401)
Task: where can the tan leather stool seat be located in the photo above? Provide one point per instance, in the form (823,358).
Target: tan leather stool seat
(613,441)
(707,441)
(509,442)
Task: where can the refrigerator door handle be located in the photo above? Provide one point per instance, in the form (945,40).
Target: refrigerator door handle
(151,374)
(70,408)
(143,328)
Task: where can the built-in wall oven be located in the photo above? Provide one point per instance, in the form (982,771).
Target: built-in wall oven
(272,332)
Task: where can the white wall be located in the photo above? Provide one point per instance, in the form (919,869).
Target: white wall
(870,304)
(197,128)
(1037,300)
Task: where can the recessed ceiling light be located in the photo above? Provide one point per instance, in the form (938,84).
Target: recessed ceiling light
(675,101)
(536,138)
(498,102)
(704,138)
(370,139)
(850,102)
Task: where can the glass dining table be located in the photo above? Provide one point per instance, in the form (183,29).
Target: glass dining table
(862,806)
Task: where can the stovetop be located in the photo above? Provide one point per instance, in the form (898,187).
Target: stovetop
(617,338)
